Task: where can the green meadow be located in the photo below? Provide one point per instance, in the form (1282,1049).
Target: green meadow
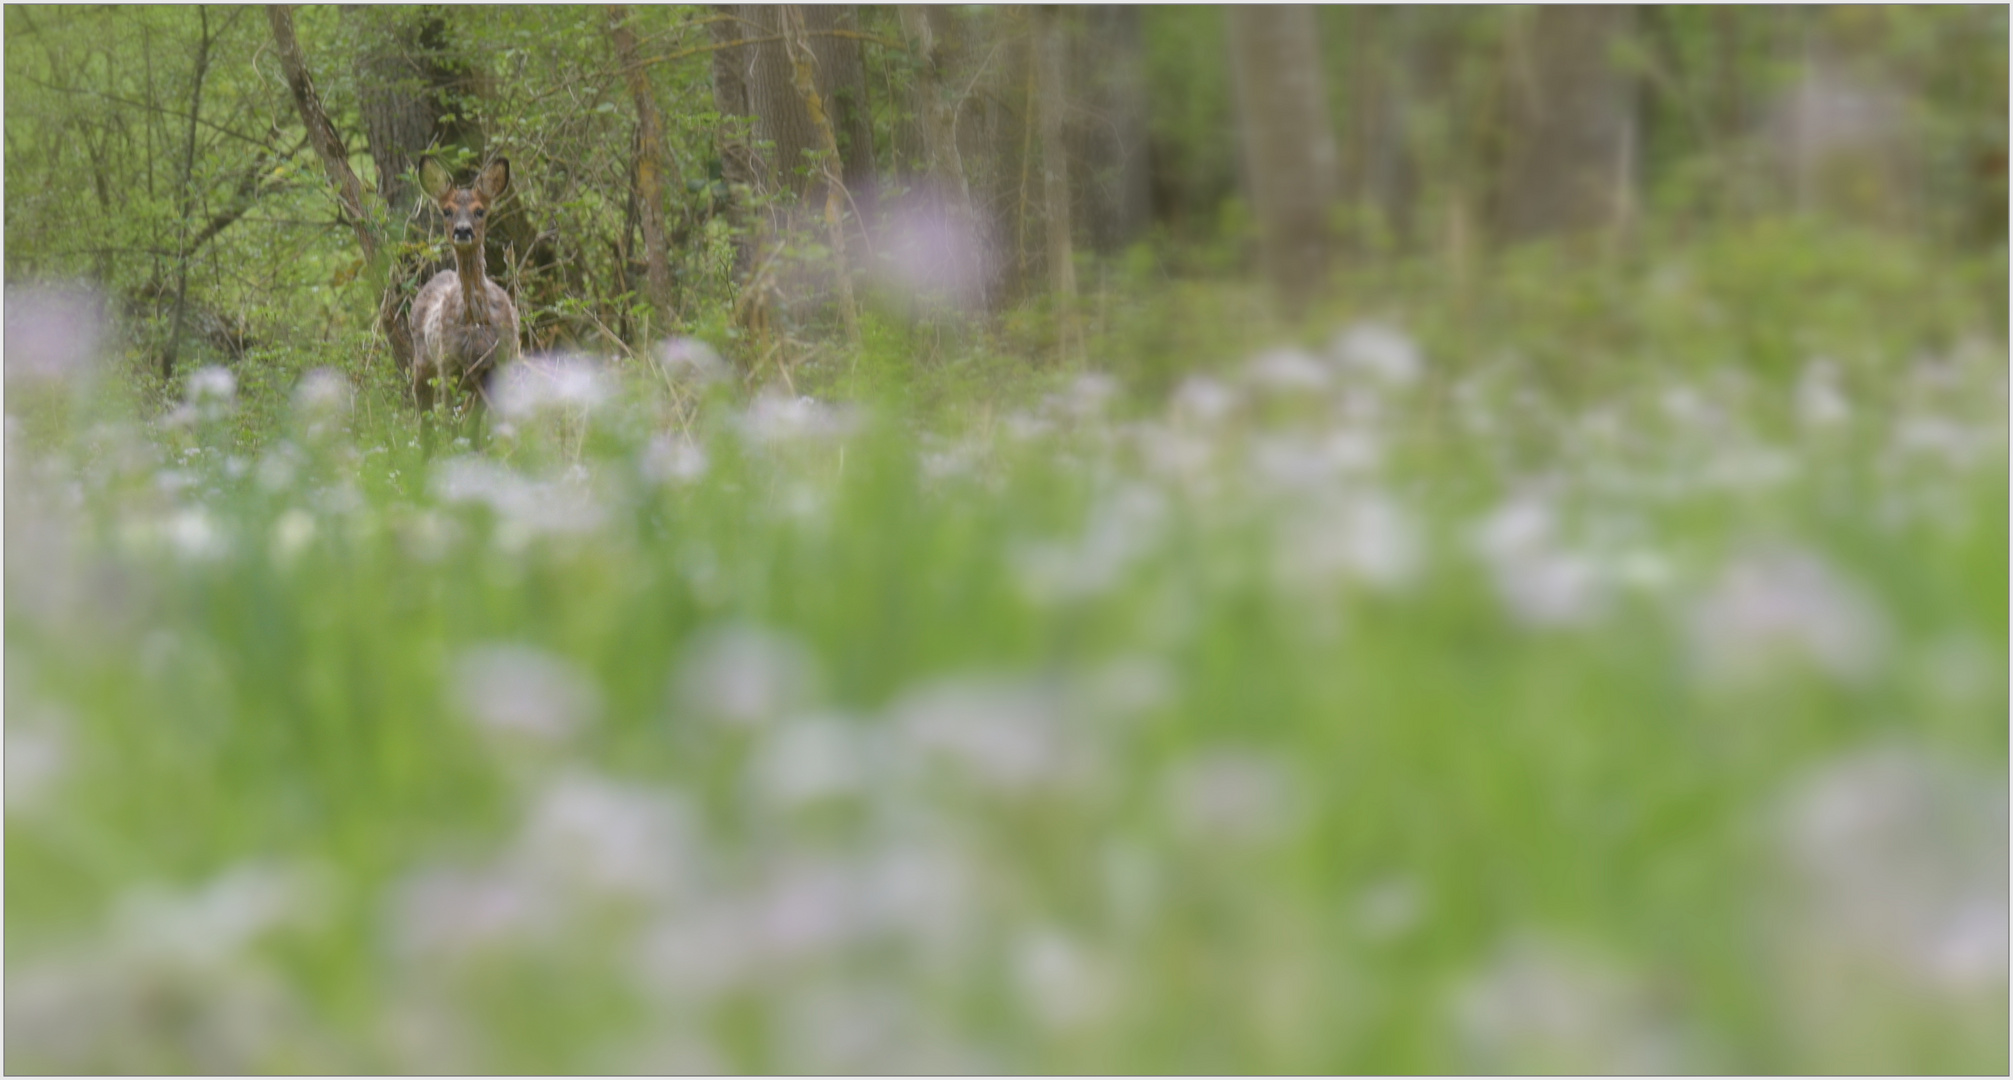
(1573,693)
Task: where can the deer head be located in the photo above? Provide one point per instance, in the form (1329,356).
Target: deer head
(464,208)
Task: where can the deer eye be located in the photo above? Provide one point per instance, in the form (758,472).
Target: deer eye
(479,212)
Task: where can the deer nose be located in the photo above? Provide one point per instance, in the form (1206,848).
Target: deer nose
(464,233)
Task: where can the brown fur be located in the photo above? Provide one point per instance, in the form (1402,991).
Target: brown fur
(463,324)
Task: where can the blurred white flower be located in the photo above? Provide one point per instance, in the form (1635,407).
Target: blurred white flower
(194,535)
(211,391)
(1901,858)
(746,675)
(1542,584)
(1380,352)
(699,954)
(1173,454)
(931,253)
(1086,397)
(538,384)
(521,689)
(810,758)
(322,394)
(1287,371)
(588,832)
(526,508)
(292,533)
(213,924)
(53,331)
(450,913)
(1952,444)
(1390,909)
(690,360)
(673,459)
(1203,401)
(1124,526)
(1005,734)
(1820,402)
(1125,687)
(1234,795)
(1542,1007)
(1062,984)
(426,535)
(1777,604)
(1364,537)
(37,755)
(279,467)
(775,418)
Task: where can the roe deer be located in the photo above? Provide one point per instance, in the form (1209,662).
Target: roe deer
(463,324)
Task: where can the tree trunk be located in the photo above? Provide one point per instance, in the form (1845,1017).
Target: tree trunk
(413,95)
(1048,53)
(803,62)
(1380,175)
(778,110)
(1108,137)
(1569,161)
(188,198)
(650,159)
(335,161)
(842,86)
(1289,155)
(741,167)
(321,133)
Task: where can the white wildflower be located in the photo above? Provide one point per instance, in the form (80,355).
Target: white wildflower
(1007,735)
(702,953)
(195,536)
(451,913)
(1126,687)
(812,758)
(1123,528)
(1380,352)
(1202,401)
(1366,537)
(1287,371)
(524,690)
(587,832)
(210,392)
(1541,1007)
(1087,396)
(37,755)
(1240,796)
(746,675)
(1781,604)
(52,332)
(538,384)
(213,924)
(292,533)
(1062,984)
(774,418)
(1542,584)
(1820,402)
(1901,858)
(1390,909)
(689,360)
(323,394)
(674,459)
(526,508)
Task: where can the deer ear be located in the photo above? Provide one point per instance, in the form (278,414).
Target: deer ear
(495,180)
(434,180)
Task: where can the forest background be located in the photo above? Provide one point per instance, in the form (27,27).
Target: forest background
(1044,175)
(1094,539)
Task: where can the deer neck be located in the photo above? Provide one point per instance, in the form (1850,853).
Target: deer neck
(468,266)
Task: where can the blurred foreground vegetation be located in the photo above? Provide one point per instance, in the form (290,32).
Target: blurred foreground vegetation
(1531,639)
